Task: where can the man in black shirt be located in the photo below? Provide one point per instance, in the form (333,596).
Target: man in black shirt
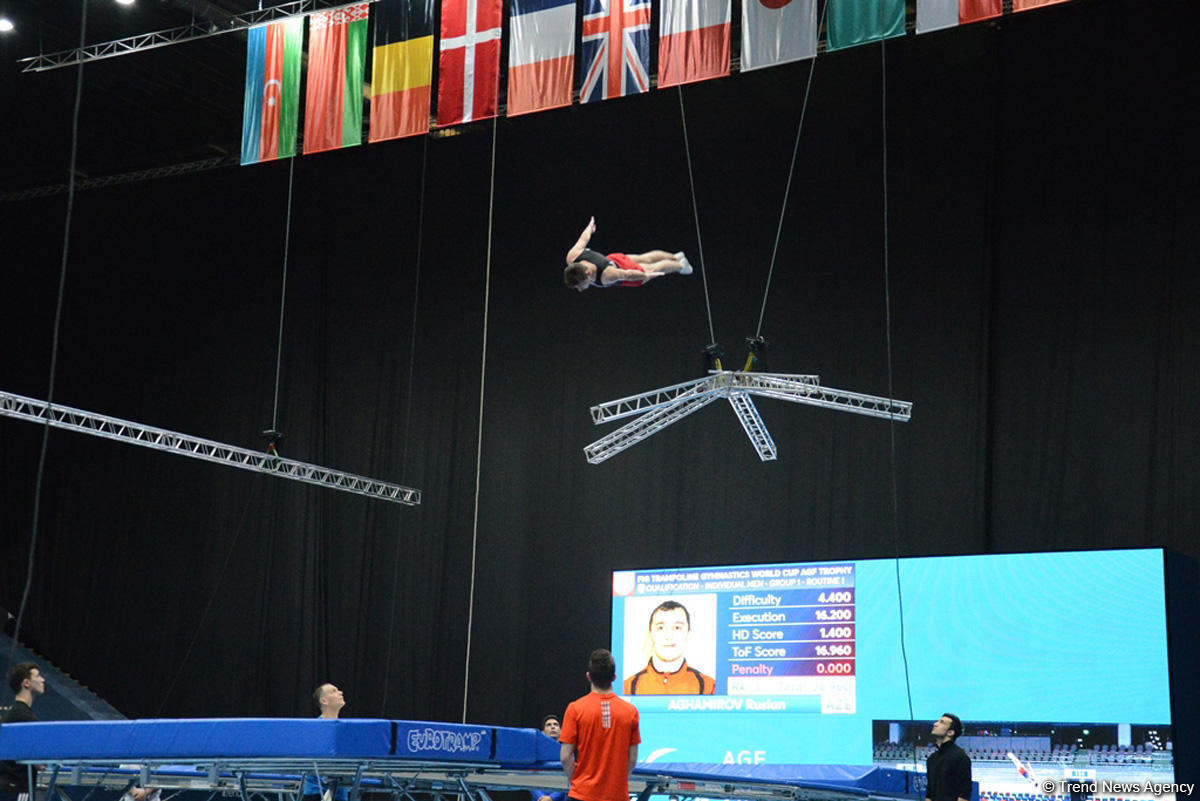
(587,268)
(948,769)
(27,683)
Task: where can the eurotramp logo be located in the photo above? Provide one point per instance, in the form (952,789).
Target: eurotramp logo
(443,740)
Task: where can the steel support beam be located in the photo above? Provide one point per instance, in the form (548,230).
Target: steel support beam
(660,408)
(649,423)
(753,425)
(114,428)
(172,36)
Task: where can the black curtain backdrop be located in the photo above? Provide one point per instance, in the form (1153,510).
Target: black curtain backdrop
(1043,286)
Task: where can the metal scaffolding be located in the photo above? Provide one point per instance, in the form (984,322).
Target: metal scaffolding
(660,408)
(65,417)
(81,184)
(171,36)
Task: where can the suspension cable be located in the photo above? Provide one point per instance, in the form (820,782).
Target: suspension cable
(487,285)
(712,337)
(812,66)
(58,307)
(887,306)
(412,359)
(287,239)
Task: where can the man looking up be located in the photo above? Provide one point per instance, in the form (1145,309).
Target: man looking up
(329,701)
(667,672)
(599,737)
(551,727)
(27,683)
(948,769)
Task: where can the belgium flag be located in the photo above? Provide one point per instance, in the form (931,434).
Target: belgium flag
(401,69)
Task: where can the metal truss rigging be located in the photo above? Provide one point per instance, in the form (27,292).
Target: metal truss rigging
(660,408)
(171,36)
(65,417)
(184,168)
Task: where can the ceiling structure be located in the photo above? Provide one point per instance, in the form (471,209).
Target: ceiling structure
(146,110)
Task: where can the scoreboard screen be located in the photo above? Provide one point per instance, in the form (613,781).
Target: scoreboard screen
(798,663)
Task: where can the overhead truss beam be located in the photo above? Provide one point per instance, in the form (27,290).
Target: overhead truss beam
(660,408)
(172,36)
(114,428)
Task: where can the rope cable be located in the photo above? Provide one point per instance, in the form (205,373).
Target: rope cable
(712,337)
(487,284)
(287,239)
(887,306)
(58,307)
(812,66)
(212,596)
(412,359)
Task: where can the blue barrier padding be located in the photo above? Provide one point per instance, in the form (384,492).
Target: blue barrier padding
(863,778)
(866,778)
(546,749)
(517,746)
(206,737)
(444,741)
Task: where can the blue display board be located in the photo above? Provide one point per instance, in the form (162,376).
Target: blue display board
(798,662)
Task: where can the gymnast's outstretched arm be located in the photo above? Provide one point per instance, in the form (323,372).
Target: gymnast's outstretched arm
(577,250)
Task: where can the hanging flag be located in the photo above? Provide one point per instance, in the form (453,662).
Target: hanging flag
(401,69)
(337,49)
(934,15)
(1025,5)
(693,41)
(541,55)
(777,31)
(616,49)
(469,63)
(854,22)
(272,102)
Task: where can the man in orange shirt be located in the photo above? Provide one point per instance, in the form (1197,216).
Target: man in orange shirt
(600,737)
(667,672)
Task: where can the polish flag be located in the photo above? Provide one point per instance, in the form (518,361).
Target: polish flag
(693,41)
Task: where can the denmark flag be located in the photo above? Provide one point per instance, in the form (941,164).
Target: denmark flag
(469,61)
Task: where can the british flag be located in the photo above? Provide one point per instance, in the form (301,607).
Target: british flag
(616,49)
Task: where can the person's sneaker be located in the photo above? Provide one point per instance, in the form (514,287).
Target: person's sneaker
(687,265)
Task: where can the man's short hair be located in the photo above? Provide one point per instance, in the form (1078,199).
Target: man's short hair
(18,674)
(576,274)
(601,668)
(668,606)
(549,718)
(317,693)
(955,724)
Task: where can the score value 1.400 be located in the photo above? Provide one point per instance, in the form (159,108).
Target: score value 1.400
(836,632)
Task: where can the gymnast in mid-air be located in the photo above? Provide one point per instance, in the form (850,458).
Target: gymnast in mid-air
(588,268)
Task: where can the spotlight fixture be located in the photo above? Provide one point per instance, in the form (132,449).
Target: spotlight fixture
(125,2)
(6,25)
